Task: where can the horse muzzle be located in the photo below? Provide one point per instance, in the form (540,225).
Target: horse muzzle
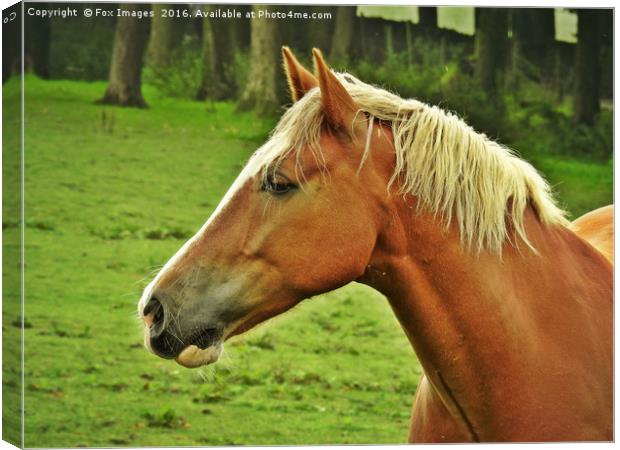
(164,337)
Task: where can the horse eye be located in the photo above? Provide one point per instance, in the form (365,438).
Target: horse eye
(276,184)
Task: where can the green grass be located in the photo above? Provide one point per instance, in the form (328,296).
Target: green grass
(11,263)
(111,194)
(580,185)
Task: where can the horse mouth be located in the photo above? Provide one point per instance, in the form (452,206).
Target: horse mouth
(204,347)
(204,338)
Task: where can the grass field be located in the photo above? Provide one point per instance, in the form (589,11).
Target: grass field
(111,194)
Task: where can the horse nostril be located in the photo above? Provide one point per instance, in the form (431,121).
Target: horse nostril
(163,342)
(159,315)
(153,312)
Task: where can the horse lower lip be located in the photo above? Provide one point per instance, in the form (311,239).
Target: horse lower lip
(193,356)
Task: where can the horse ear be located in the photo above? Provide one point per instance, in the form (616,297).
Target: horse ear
(338,105)
(300,80)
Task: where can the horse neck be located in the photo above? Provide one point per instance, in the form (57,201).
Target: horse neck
(434,283)
(470,317)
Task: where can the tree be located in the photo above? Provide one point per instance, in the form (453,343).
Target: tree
(320,31)
(220,38)
(166,36)
(343,34)
(209,83)
(428,19)
(260,92)
(37,38)
(491,47)
(132,32)
(533,34)
(587,66)
(373,39)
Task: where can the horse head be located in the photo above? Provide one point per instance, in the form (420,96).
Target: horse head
(302,218)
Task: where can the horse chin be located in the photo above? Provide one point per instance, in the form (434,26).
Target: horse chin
(193,356)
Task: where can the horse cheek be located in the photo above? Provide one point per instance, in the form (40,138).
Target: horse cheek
(327,263)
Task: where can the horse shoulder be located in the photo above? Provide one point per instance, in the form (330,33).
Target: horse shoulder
(597,228)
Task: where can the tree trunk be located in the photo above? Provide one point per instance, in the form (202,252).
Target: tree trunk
(533,34)
(37,44)
(343,34)
(321,30)
(428,19)
(587,66)
(219,41)
(260,92)
(409,43)
(373,39)
(242,29)
(166,35)
(389,39)
(124,86)
(491,47)
(210,83)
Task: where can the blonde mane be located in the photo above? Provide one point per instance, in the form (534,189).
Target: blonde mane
(453,171)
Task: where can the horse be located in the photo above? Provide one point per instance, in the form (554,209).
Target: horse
(597,227)
(507,308)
